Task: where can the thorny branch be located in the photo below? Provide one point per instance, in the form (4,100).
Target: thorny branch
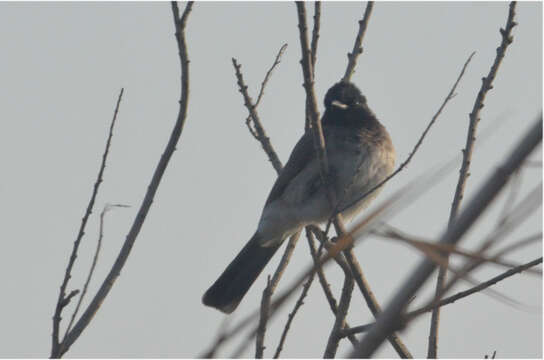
(85,319)
(451,299)
(389,320)
(507,39)
(259,132)
(106,208)
(56,350)
(319,144)
(357,48)
(450,96)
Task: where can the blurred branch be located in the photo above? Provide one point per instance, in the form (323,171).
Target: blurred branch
(63,300)
(441,250)
(432,350)
(451,299)
(106,286)
(450,96)
(529,204)
(357,48)
(389,319)
(480,287)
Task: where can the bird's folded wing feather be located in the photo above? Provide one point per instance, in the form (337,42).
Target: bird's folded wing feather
(302,155)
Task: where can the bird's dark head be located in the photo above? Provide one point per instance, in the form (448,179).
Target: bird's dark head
(344,95)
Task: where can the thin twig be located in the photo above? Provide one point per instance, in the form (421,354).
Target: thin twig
(277,60)
(340,321)
(441,250)
(451,299)
(269,290)
(357,48)
(107,284)
(477,288)
(432,350)
(259,133)
(450,96)
(389,319)
(56,350)
(291,316)
(529,204)
(93,265)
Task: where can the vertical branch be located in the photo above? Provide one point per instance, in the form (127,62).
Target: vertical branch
(474,119)
(267,294)
(315,34)
(313,49)
(62,299)
(357,48)
(319,144)
(335,335)
(86,317)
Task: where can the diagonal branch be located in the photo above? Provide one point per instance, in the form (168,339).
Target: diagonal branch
(259,133)
(86,317)
(451,299)
(450,96)
(389,319)
(107,208)
(62,299)
(357,48)
(432,350)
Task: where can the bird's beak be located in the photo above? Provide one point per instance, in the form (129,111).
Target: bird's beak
(339,104)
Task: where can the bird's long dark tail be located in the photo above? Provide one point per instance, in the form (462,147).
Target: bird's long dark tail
(229,289)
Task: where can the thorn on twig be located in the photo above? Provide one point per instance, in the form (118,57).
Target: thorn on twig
(67,299)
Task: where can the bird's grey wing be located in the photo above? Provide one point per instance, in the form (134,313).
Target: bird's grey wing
(301,156)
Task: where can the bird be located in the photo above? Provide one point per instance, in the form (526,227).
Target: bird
(360,155)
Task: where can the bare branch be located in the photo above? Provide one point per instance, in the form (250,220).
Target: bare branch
(93,265)
(451,299)
(298,305)
(432,350)
(389,319)
(315,34)
(277,60)
(106,286)
(357,48)
(259,133)
(269,290)
(420,141)
(340,321)
(530,203)
(56,350)
(479,287)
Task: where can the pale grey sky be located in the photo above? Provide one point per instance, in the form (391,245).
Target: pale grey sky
(61,68)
